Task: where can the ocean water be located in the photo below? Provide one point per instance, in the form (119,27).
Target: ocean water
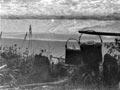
(56,48)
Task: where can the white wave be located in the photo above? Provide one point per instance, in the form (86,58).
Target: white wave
(35,39)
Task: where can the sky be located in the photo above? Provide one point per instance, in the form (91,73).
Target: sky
(59,7)
(34,10)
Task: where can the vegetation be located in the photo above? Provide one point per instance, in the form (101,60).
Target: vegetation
(24,68)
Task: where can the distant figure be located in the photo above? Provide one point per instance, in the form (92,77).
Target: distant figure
(15,48)
(42,52)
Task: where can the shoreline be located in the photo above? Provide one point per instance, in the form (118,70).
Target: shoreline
(53,40)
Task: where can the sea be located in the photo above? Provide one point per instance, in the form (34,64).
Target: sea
(53,44)
(56,48)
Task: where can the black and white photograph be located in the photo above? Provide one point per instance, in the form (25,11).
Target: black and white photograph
(59,44)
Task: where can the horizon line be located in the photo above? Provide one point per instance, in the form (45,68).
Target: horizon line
(114,16)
